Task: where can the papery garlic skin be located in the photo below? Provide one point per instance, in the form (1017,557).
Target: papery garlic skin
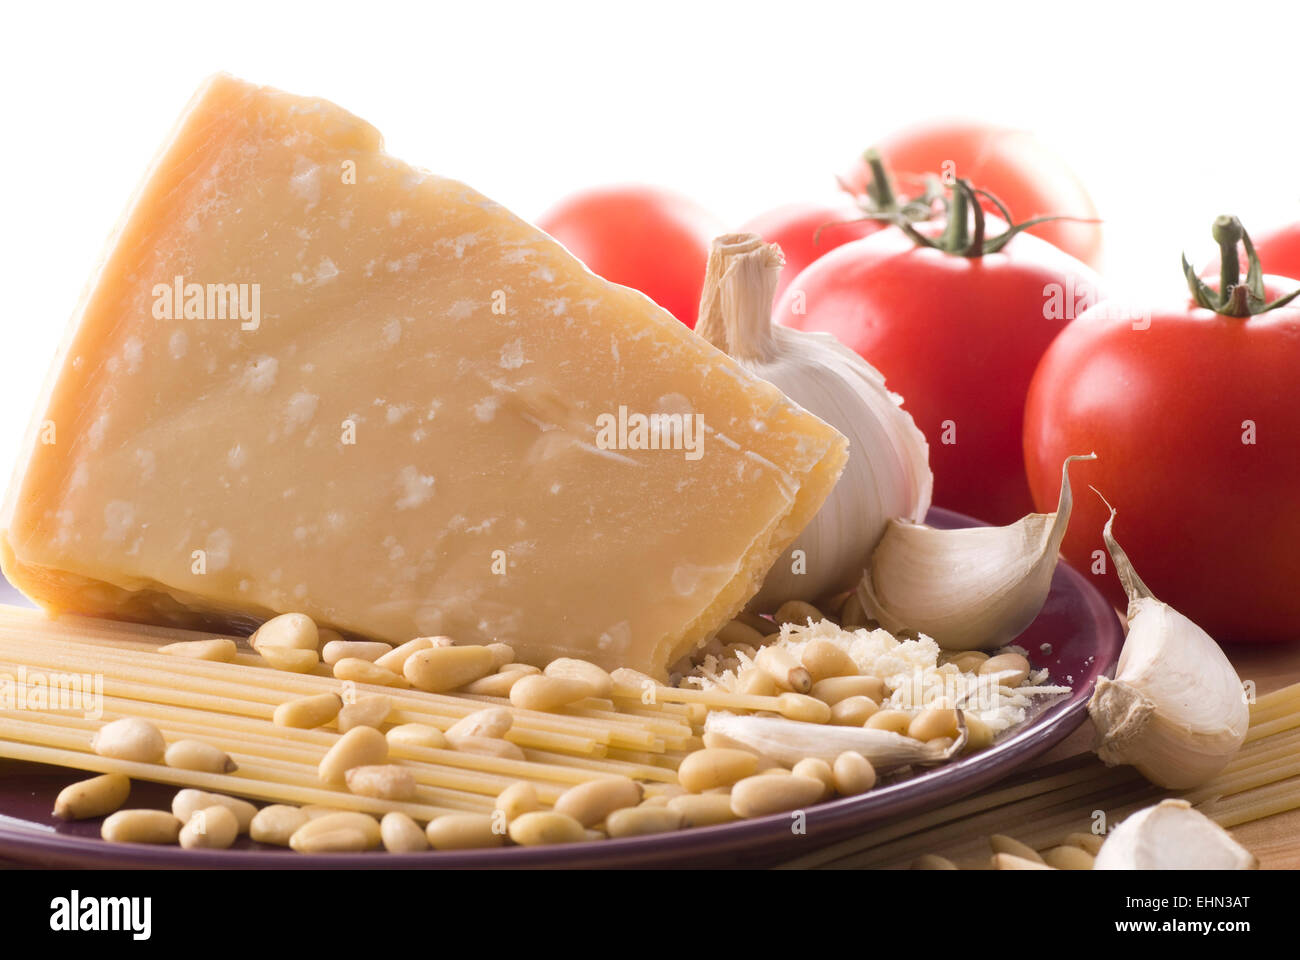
(970,589)
(789,741)
(888,472)
(1172,835)
(1175,710)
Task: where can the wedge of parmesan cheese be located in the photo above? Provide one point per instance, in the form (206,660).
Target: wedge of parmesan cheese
(310,377)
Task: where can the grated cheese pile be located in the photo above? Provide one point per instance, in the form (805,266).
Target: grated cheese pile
(914,672)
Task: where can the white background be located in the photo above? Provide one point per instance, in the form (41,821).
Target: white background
(1170,112)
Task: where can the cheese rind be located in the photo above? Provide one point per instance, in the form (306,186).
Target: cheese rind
(406,437)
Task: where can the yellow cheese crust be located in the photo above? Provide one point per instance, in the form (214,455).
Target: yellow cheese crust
(409,434)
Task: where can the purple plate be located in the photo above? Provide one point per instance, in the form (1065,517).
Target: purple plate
(1080,628)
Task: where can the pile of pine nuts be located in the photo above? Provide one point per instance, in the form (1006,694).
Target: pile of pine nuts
(717,781)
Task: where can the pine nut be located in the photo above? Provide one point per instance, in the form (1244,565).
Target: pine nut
(440,669)
(782,666)
(547,693)
(495,685)
(764,794)
(337,833)
(492,722)
(654,801)
(359,747)
(1009,861)
(385,781)
(187,802)
(895,721)
(464,831)
(196,755)
(502,654)
(527,669)
(295,631)
(979,735)
(544,827)
(92,798)
(516,799)
(720,741)
(931,861)
(737,631)
(1090,842)
(489,747)
(1067,857)
(1011,663)
(394,660)
(141,826)
(797,612)
(834,689)
(303,713)
(336,650)
(324,636)
(592,801)
(756,683)
(212,828)
(1001,843)
(703,809)
(933,723)
(643,820)
(854,774)
(129,739)
(823,659)
(761,624)
(853,615)
(969,661)
(814,768)
(799,706)
(599,681)
(356,670)
(401,834)
(853,711)
(416,735)
(289,659)
(218,650)
(276,824)
(715,767)
(368,711)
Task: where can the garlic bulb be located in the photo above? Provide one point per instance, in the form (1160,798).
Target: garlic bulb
(1175,709)
(888,472)
(969,589)
(789,741)
(1172,835)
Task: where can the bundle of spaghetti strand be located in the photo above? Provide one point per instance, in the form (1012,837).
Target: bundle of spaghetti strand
(231,705)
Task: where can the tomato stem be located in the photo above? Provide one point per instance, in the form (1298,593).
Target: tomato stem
(879,189)
(1233,298)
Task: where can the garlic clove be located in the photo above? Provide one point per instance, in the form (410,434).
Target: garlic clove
(974,588)
(1175,710)
(1172,835)
(888,470)
(789,741)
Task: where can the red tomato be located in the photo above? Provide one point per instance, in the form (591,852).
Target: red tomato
(1279,250)
(958,337)
(1196,428)
(1013,165)
(642,237)
(806,231)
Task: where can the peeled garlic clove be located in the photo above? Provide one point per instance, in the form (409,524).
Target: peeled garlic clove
(888,470)
(1175,710)
(1172,835)
(978,587)
(789,741)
